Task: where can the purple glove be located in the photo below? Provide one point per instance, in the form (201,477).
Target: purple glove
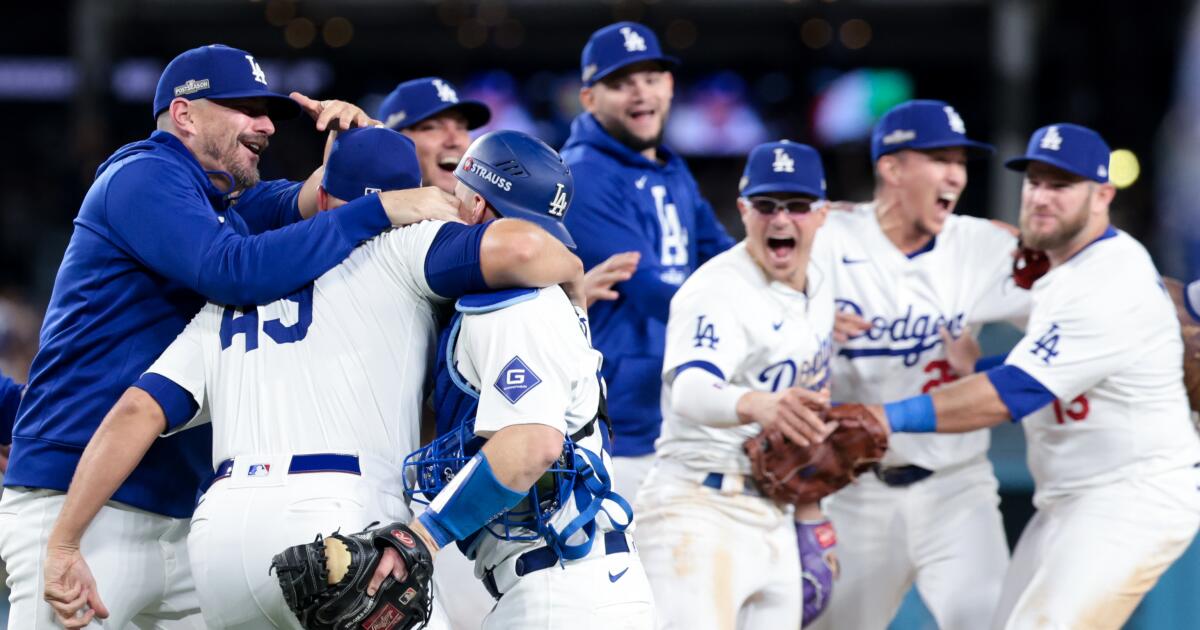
(818,565)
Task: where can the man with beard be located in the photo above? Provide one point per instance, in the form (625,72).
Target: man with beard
(156,236)
(915,274)
(636,198)
(1097,385)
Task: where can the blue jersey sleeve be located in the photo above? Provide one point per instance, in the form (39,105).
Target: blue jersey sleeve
(165,222)
(10,397)
(452,262)
(270,205)
(1020,392)
(602,225)
(711,237)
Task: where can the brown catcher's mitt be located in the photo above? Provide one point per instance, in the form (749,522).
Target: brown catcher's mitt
(1191,343)
(799,475)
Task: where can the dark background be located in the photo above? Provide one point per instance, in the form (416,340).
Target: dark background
(76,80)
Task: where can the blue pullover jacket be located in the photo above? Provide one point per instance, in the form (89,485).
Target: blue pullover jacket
(626,202)
(153,240)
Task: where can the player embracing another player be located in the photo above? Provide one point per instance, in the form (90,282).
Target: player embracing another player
(1097,384)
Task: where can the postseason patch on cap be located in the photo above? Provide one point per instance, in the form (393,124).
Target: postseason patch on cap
(191,87)
(900,135)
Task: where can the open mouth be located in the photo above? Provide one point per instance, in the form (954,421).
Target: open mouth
(781,247)
(642,114)
(945,201)
(254,146)
(449,163)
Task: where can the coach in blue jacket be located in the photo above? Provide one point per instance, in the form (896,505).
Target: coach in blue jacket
(634,195)
(155,237)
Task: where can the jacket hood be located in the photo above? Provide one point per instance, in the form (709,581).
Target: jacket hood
(586,131)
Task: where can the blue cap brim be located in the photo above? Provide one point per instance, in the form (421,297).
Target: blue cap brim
(766,188)
(668,61)
(279,107)
(974,149)
(1021,163)
(477,113)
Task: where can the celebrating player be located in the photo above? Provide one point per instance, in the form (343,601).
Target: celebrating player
(430,113)
(636,197)
(748,346)
(1097,385)
(155,237)
(327,381)
(916,274)
(517,369)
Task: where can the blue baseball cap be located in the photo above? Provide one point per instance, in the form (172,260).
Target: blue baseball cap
(923,124)
(783,167)
(618,45)
(522,178)
(216,72)
(1072,148)
(370,160)
(414,101)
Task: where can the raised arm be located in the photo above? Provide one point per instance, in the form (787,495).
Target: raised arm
(519,253)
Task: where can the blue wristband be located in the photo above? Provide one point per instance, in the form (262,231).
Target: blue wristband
(912,415)
(472,500)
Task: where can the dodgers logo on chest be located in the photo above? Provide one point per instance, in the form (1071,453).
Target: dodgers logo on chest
(910,335)
(811,373)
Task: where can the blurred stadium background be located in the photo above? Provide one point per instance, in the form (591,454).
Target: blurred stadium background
(76,80)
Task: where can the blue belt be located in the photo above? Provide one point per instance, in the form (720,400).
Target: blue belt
(310,463)
(544,558)
(900,476)
(715,480)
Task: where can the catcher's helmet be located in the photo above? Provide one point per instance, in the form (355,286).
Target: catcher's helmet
(521,177)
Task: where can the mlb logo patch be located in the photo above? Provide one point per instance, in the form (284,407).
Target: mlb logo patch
(258,470)
(515,380)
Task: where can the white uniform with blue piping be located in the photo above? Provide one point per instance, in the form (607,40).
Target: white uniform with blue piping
(715,548)
(1116,459)
(314,400)
(936,523)
(529,360)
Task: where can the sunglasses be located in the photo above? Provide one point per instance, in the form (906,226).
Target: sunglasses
(770,205)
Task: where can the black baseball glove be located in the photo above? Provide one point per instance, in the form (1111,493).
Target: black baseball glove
(342,603)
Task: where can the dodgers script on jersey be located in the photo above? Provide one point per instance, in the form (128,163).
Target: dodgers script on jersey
(288,377)
(963,278)
(1104,339)
(532,362)
(731,317)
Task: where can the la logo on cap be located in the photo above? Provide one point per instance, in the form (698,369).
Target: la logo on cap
(559,204)
(1052,141)
(956,122)
(259,75)
(783,162)
(633,41)
(445,92)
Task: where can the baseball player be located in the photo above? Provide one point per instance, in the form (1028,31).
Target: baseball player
(531,505)
(154,237)
(430,113)
(916,274)
(313,399)
(637,196)
(748,345)
(1097,385)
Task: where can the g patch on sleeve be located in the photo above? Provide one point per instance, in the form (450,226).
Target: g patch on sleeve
(516,379)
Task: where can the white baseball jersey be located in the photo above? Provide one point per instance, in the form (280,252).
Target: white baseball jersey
(758,333)
(338,366)
(964,277)
(1104,339)
(532,363)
